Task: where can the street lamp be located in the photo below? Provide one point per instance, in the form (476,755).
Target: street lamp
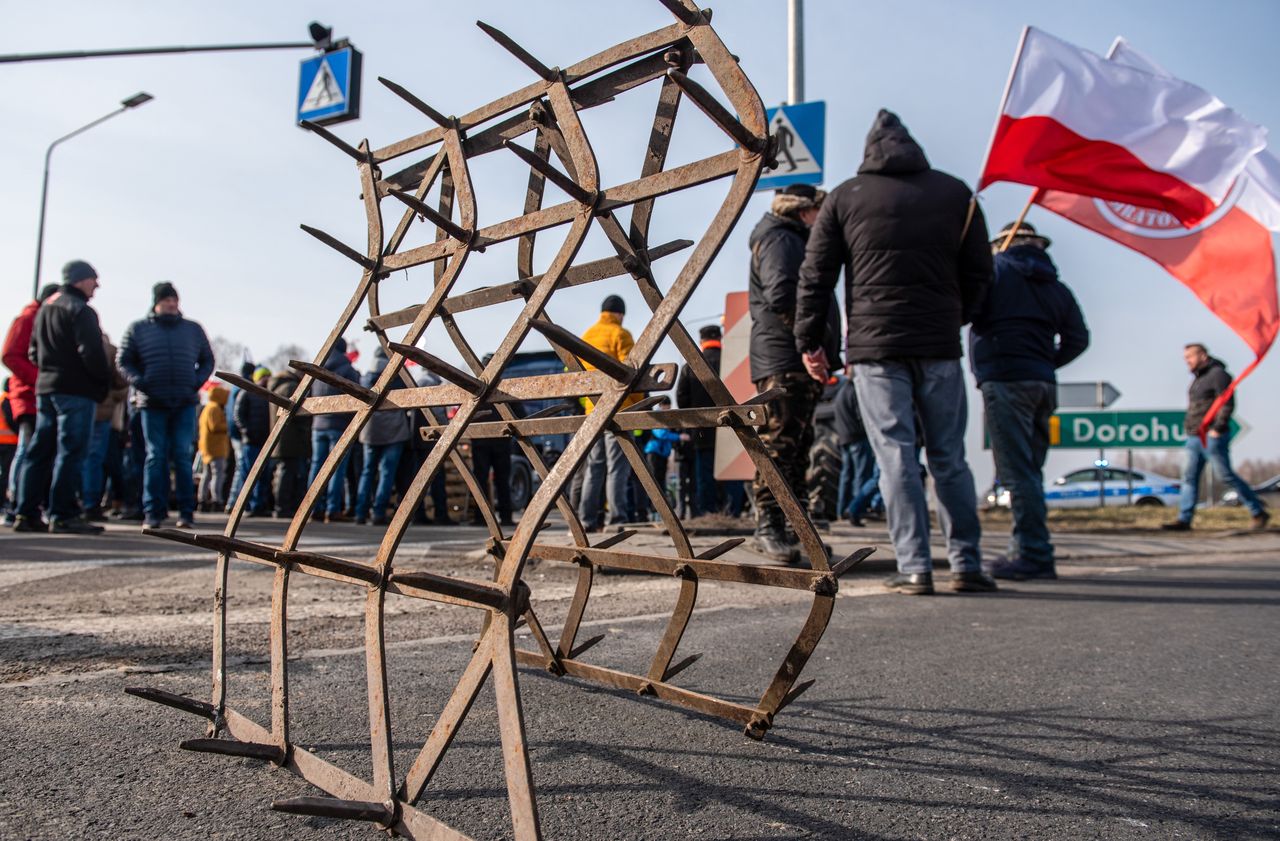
(126,104)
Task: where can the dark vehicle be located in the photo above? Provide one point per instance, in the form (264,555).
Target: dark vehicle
(524,480)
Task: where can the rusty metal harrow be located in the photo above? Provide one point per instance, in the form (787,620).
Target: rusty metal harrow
(548,109)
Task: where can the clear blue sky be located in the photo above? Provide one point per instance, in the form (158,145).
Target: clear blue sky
(206,185)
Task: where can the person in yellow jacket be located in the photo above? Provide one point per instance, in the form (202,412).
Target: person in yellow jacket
(607,473)
(215,446)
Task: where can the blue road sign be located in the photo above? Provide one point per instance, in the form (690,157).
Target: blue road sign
(801,133)
(329,87)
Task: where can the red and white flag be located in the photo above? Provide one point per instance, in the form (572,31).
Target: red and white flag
(1226,260)
(1071,120)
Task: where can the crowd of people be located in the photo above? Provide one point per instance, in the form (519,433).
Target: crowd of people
(91,430)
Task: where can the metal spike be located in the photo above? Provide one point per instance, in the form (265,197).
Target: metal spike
(765,396)
(432,114)
(231,747)
(342,384)
(575,190)
(341,566)
(841,567)
(795,693)
(178,702)
(550,411)
(434,216)
(526,58)
(347,148)
(605,363)
(647,403)
(442,369)
(340,247)
(720,548)
(615,539)
(460,588)
(333,807)
(253,388)
(718,113)
(682,12)
(588,644)
(681,666)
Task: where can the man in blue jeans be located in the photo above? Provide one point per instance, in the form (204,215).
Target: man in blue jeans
(1029,326)
(74,375)
(326,431)
(916,264)
(1209,380)
(167,358)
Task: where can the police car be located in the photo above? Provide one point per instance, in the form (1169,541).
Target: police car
(1079,489)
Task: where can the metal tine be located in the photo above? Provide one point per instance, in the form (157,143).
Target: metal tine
(682,12)
(434,216)
(550,411)
(720,548)
(603,362)
(843,566)
(342,566)
(232,747)
(526,58)
(585,645)
(443,369)
(326,376)
(615,539)
(432,114)
(473,591)
(215,542)
(169,699)
(253,388)
(765,396)
(350,150)
(795,693)
(681,666)
(717,112)
(575,190)
(333,807)
(647,403)
(340,247)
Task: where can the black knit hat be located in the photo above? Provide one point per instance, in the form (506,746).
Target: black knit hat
(76,271)
(614,303)
(163,289)
(709,332)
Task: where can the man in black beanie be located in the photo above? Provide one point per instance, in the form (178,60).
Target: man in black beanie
(74,376)
(167,359)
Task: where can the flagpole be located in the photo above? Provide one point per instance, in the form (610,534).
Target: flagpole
(1035,194)
(1004,99)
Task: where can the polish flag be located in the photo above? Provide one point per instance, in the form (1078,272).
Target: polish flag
(1226,259)
(1071,120)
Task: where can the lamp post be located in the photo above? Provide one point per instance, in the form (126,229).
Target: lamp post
(132,102)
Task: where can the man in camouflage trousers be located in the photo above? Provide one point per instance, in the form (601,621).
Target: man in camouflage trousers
(777,250)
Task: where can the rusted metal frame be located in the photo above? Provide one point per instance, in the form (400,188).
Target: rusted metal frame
(551,654)
(706,569)
(450,719)
(656,154)
(677,624)
(657,377)
(411,822)
(591,94)
(667,181)
(630,49)
(515,746)
(707,704)
(577,609)
(502,293)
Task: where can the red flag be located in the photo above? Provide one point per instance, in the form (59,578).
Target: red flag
(1227,259)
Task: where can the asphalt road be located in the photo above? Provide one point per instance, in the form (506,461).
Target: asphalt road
(1134,698)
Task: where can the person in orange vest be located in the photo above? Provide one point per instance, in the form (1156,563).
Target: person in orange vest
(8,442)
(607,472)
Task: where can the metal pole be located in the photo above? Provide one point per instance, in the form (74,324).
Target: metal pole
(132,102)
(217,48)
(1102,454)
(795,51)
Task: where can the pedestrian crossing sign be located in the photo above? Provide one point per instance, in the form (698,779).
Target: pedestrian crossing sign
(799,132)
(329,87)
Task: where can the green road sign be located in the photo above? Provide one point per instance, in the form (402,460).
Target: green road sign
(1153,429)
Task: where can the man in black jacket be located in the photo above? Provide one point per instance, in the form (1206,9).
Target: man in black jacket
(1209,380)
(167,358)
(917,264)
(777,250)
(326,431)
(1028,327)
(66,347)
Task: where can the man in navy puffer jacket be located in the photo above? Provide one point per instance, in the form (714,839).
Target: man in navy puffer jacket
(325,432)
(166,359)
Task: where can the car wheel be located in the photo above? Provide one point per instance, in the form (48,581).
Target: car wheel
(1150,502)
(521,483)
